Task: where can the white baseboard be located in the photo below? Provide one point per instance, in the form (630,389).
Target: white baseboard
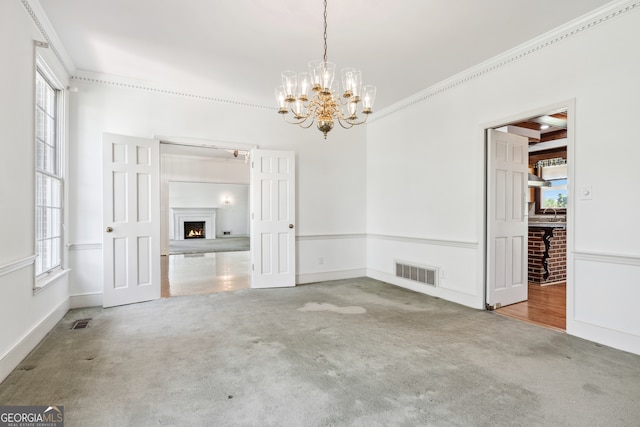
(609,337)
(21,350)
(439,292)
(330,275)
(86,300)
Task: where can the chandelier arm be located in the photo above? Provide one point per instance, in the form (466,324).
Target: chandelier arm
(299,121)
(303,126)
(354,122)
(347,126)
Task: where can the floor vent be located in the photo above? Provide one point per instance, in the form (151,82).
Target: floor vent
(81,324)
(420,274)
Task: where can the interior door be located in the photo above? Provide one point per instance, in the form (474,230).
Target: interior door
(273,245)
(507,228)
(131,233)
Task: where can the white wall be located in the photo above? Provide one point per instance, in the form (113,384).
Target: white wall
(25,318)
(232,217)
(425,171)
(331,186)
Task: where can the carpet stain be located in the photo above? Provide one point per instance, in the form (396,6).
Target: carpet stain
(315,306)
(592,388)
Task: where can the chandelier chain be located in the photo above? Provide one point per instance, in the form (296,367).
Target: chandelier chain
(325,30)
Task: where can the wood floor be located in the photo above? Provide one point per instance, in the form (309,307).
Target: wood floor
(546,306)
(203,273)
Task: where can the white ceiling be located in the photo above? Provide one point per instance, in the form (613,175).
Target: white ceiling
(235,50)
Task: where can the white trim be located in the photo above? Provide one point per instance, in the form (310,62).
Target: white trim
(12,358)
(85,300)
(613,338)
(609,258)
(422,241)
(128,83)
(41,21)
(586,22)
(441,291)
(17,265)
(204,143)
(84,246)
(330,275)
(47,279)
(330,237)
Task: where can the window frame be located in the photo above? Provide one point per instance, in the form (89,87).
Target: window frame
(539,194)
(542,191)
(41,69)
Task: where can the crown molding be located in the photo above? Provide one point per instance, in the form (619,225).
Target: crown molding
(130,83)
(588,21)
(41,21)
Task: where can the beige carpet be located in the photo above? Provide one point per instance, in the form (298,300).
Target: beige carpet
(346,353)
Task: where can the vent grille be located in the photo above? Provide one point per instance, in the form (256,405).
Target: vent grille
(417,273)
(81,324)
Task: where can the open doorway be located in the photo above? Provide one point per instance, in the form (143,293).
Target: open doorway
(546,206)
(205,220)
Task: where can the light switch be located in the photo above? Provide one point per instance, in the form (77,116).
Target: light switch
(586,193)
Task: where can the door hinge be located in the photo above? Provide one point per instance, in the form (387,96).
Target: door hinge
(251,164)
(252,267)
(252,216)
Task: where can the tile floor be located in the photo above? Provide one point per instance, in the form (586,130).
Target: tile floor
(191,274)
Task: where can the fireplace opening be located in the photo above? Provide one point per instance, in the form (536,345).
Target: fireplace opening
(194,230)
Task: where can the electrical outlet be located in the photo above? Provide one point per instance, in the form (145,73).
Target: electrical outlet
(321,260)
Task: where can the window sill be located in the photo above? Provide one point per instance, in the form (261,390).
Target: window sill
(49,279)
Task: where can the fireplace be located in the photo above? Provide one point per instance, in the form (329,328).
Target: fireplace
(194,230)
(180,218)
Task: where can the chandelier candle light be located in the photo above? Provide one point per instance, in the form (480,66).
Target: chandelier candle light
(325,104)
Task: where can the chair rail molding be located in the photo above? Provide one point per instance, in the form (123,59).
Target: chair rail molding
(17,265)
(423,241)
(609,258)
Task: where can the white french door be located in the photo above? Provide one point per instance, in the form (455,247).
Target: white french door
(273,245)
(131,208)
(507,228)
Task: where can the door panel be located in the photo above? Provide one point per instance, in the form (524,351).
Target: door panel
(507,228)
(273,218)
(131,236)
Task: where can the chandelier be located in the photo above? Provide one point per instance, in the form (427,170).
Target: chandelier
(325,105)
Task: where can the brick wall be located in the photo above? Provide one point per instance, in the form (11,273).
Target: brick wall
(557,256)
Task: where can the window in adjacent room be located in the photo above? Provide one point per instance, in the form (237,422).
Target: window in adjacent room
(554,171)
(48,179)
(556,195)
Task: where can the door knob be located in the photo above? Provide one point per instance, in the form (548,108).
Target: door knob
(109,229)
(290,225)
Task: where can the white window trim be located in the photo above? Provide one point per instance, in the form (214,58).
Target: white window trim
(42,65)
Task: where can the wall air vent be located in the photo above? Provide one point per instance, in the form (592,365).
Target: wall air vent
(417,273)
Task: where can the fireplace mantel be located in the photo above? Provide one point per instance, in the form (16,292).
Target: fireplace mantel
(180,215)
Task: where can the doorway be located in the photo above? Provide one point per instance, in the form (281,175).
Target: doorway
(546,210)
(205,220)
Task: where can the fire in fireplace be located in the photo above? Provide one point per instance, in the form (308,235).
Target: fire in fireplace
(194,230)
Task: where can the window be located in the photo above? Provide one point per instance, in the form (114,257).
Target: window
(48,178)
(556,195)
